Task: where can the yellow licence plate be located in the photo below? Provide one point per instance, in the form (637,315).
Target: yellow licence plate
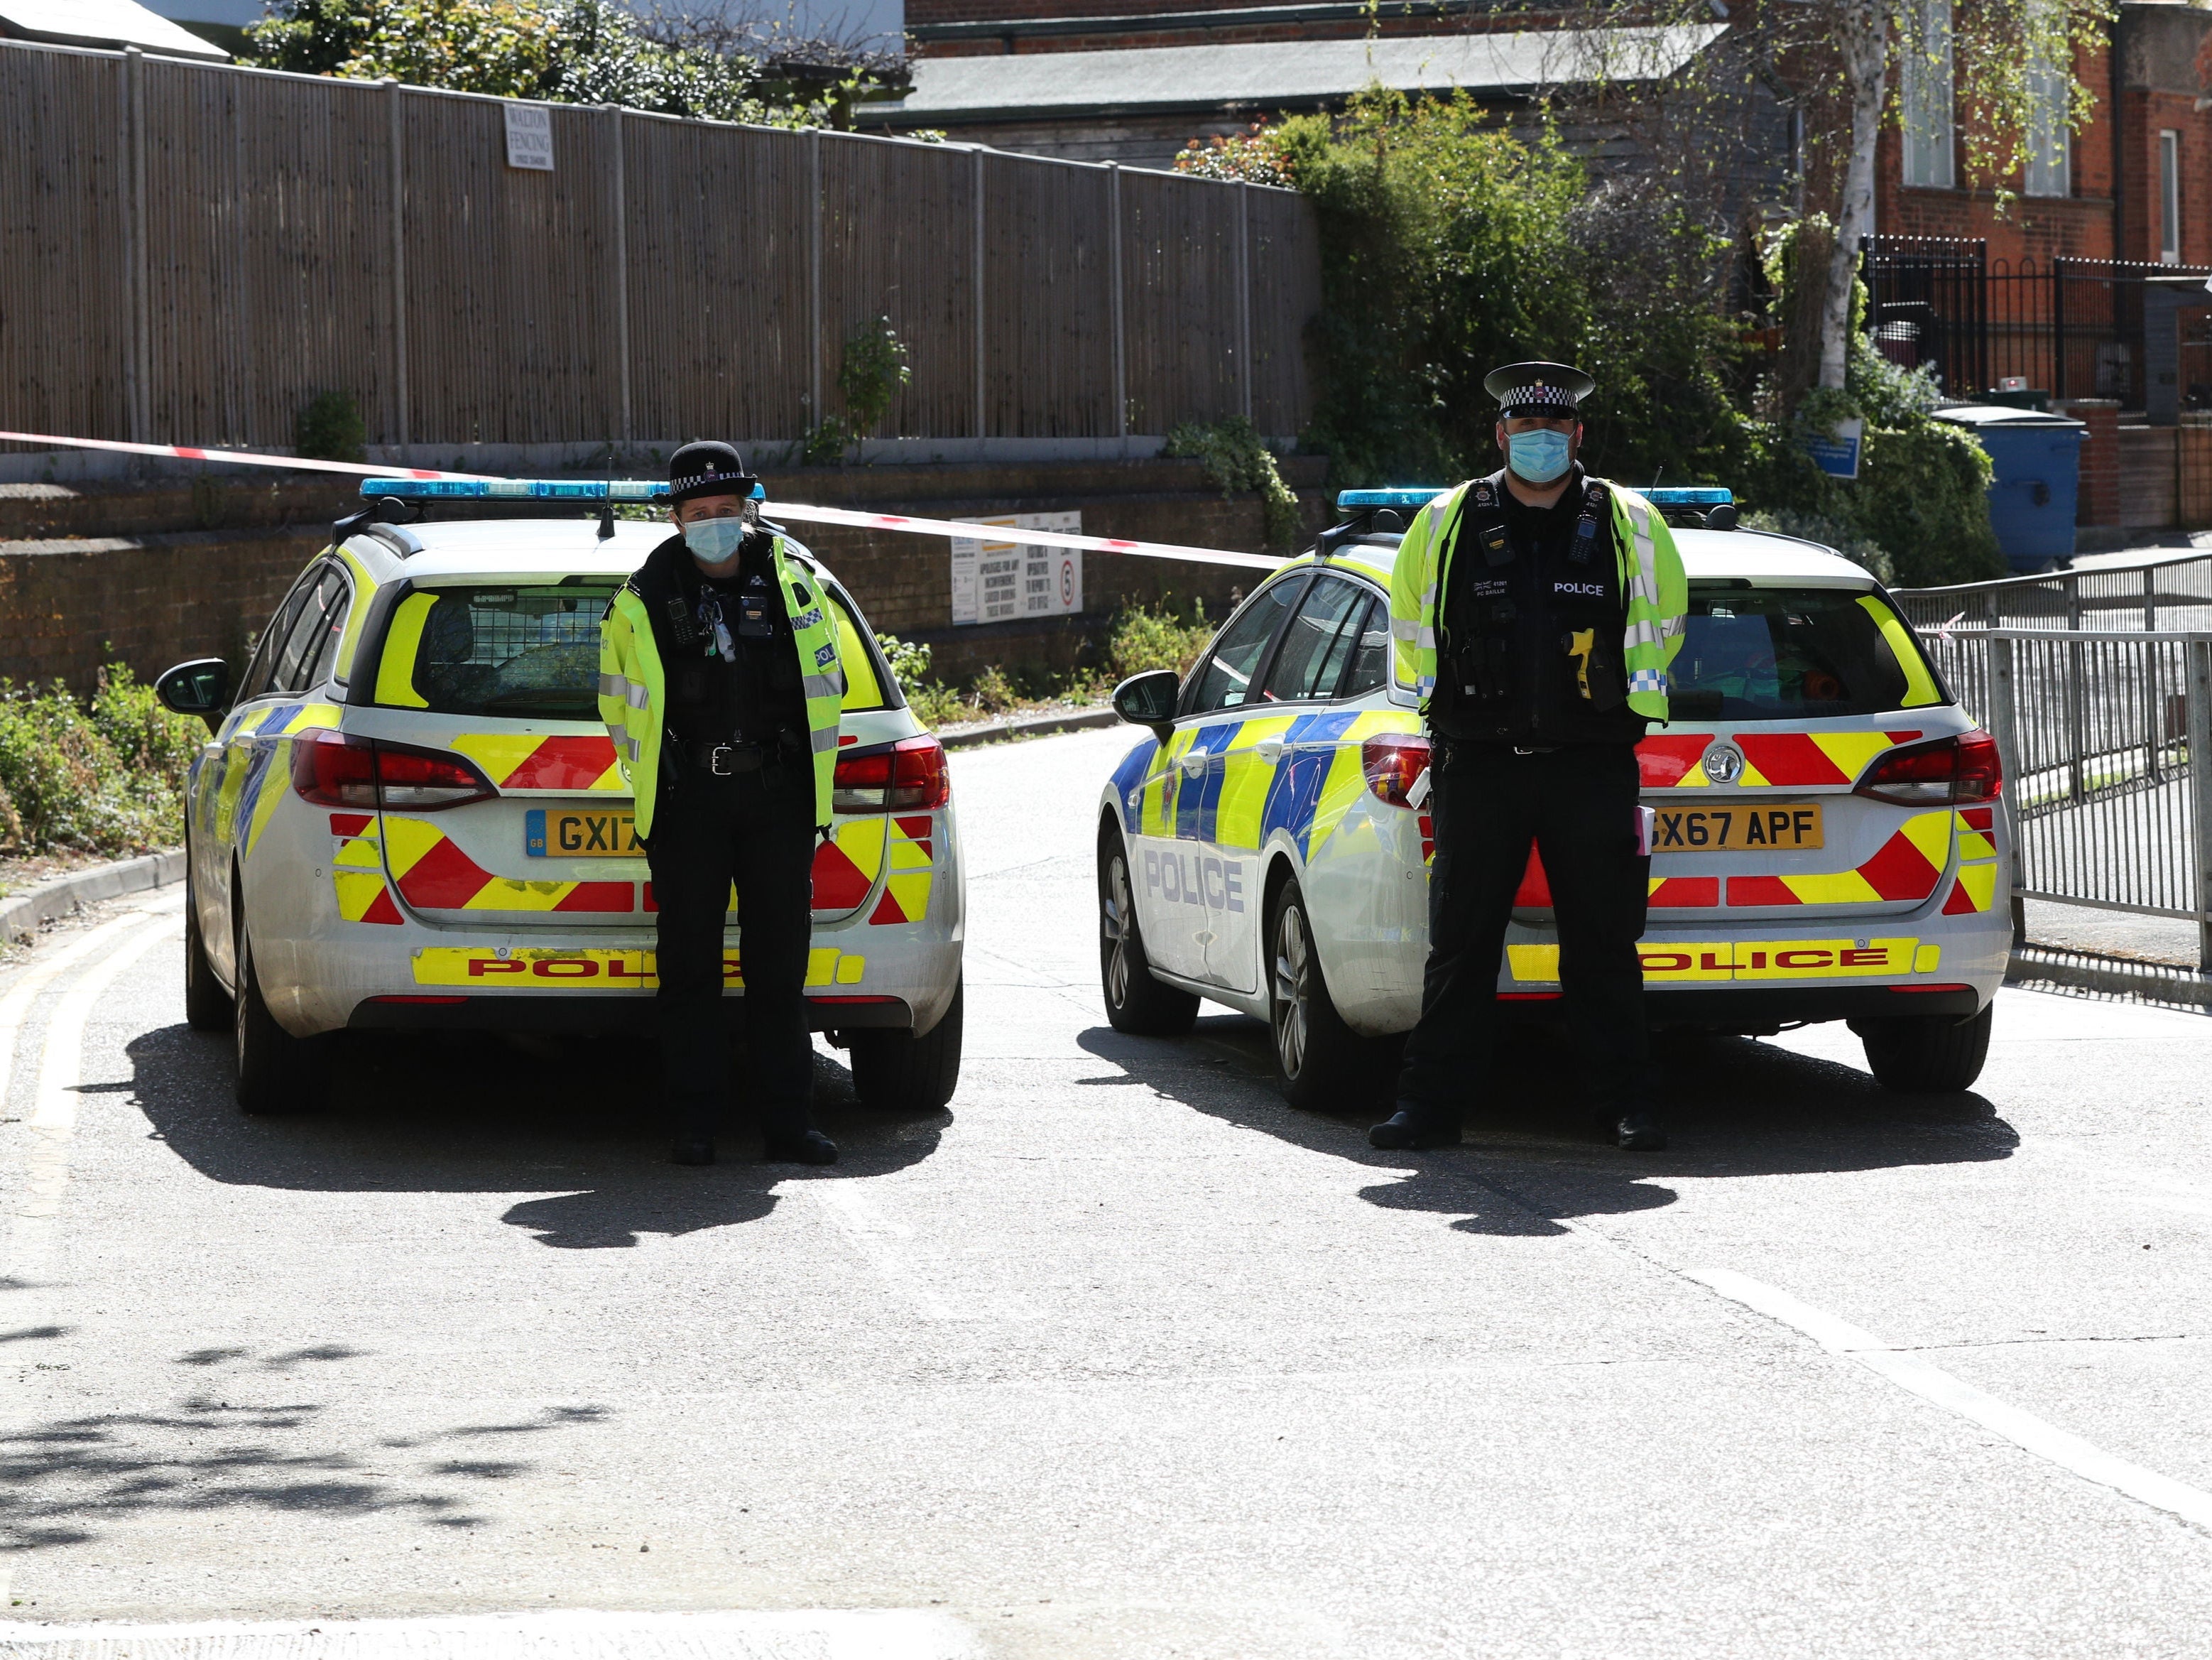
(1786,827)
(565,833)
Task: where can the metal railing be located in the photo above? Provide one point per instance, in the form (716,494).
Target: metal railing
(2170,593)
(2102,734)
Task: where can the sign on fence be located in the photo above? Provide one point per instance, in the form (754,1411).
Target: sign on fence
(1836,453)
(530,136)
(999,581)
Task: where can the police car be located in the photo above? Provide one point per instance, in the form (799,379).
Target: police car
(1828,838)
(408,815)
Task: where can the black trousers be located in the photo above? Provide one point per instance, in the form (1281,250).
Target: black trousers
(1577,804)
(757,830)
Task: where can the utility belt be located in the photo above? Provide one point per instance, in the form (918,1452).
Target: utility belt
(732,760)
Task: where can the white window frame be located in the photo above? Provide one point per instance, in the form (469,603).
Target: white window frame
(2050,134)
(1925,95)
(2169,197)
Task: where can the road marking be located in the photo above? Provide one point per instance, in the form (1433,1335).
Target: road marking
(16,1005)
(1933,1385)
(581,1634)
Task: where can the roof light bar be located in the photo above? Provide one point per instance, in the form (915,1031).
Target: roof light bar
(1415,496)
(522,489)
(1690,496)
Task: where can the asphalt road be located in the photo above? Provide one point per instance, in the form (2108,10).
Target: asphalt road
(1117,1357)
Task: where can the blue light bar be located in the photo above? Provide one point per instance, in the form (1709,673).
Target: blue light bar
(522,489)
(1690,496)
(1412,496)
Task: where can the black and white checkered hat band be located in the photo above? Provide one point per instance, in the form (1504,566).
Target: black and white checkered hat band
(698,480)
(1538,396)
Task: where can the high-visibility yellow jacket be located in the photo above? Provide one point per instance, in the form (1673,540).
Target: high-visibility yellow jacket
(634,689)
(1650,576)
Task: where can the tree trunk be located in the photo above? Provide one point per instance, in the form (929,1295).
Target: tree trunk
(1862,35)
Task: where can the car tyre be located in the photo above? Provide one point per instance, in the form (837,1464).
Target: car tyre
(898,1071)
(278,1073)
(1322,1065)
(1926,1054)
(207,1007)
(1136,1002)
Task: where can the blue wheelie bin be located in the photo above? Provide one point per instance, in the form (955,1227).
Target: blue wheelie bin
(2038,457)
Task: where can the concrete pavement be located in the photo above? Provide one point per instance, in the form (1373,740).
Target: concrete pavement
(1118,1357)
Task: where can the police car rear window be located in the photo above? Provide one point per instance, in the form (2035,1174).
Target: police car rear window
(1783,654)
(516,652)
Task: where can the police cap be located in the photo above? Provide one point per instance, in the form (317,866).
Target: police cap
(707,469)
(1537,388)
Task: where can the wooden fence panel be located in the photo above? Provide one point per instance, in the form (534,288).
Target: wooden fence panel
(1179,268)
(1286,292)
(1049,292)
(64,315)
(898,240)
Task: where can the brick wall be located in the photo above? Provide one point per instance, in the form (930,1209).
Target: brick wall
(2099,502)
(2145,114)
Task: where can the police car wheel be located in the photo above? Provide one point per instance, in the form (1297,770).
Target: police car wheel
(1135,1002)
(898,1071)
(207,1005)
(1926,1054)
(1322,1065)
(277,1072)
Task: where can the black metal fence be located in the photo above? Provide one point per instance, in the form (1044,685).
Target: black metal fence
(2068,328)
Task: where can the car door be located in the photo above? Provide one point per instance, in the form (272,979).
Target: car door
(1274,767)
(1183,893)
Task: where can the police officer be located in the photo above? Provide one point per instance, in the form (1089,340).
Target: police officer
(721,680)
(1537,610)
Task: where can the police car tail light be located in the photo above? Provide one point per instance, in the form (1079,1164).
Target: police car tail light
(1960,771)
(1394,762)
(907,776)
(334,771)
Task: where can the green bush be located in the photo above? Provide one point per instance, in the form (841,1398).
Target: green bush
(1234,457)
(330,429)
(107,780)
(1925,497)
(1146,637)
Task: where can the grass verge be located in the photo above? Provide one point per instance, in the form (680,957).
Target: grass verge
(102,777)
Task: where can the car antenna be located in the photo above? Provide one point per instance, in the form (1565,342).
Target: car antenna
(607,507)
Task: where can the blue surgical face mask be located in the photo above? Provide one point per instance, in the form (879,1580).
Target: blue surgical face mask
(1539,456)
(713,541)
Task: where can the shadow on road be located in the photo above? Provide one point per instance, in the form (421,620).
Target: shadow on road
(1531,1155)
(456,1114)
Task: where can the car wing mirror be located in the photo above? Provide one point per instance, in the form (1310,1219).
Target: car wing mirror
(201,687)
(1149,700)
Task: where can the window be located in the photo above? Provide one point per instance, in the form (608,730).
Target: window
(527,653)
(1371,653)
(1310,661)
(1225,681)
(1792,654)
(2050,137)
(254,682)
(863,681)
(340,593)
(2169,197)
(1926,91)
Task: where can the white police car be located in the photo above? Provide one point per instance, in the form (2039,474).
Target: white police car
(1829,840)
(409,814)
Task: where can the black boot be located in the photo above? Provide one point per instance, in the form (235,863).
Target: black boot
(798,1148)
(691,1149)
(1638,1130)
(1412,1128)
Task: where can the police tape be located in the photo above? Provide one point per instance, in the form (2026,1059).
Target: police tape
(850,517)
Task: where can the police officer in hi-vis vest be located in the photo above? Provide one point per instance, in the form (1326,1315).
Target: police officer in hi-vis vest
(1537,610)
(721,680)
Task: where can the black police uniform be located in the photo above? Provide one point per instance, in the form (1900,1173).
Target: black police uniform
(736,806)
(1533,740)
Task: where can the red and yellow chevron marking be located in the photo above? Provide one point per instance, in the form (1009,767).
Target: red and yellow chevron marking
(1974,889)
(1535,892)
(358,870)
(525,761)
(906,890)
(1907,867)
(846,866)
(588,969)
(434,875)
(1772,760)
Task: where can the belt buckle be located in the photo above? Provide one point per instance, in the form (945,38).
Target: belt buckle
(719,761)
(1518,750)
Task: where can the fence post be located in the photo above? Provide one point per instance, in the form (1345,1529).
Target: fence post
(982,349)
(133,197)
(2200,792)
(2004,728)
(2057,330)
(1121,345)
(617,175)
(2150,601)
(391,96)
(1244,298)
(813,279)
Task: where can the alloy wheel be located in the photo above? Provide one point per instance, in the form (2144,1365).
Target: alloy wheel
(1293,983)
(1114,923)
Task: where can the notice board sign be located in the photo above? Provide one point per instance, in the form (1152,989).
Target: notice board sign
(1836,453)
(530,136)
(999,579)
